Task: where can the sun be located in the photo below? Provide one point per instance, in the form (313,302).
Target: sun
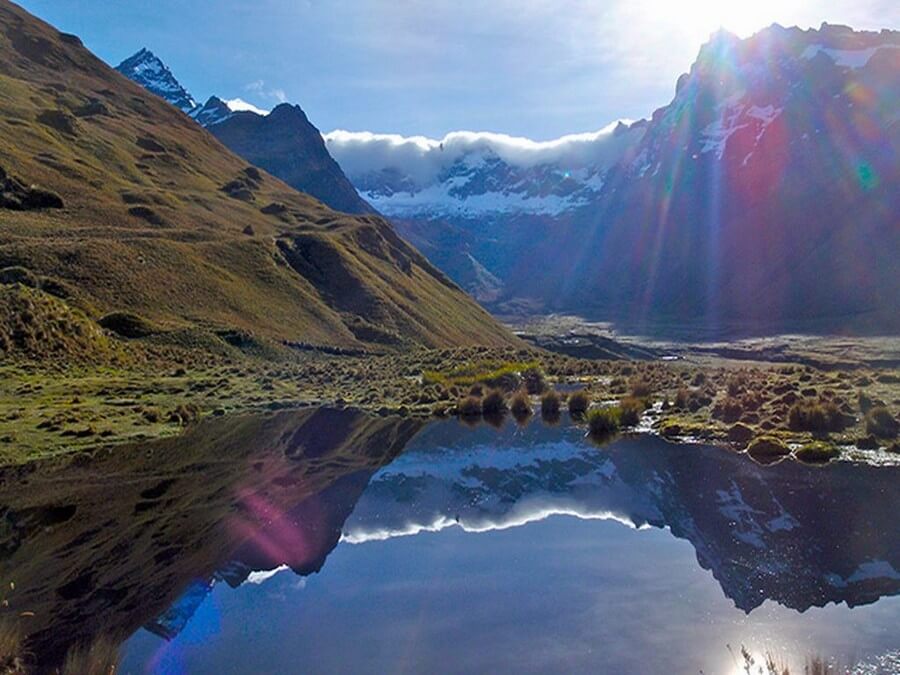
(701,17)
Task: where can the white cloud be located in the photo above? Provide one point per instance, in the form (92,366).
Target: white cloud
(239,105)
(259,88)
(422,158)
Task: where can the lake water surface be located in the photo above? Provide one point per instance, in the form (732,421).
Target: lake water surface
(323,541)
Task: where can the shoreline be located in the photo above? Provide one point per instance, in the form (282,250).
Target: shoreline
(47,412)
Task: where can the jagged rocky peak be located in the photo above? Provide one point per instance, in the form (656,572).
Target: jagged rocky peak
(288,111)
(214,111)
(148,70)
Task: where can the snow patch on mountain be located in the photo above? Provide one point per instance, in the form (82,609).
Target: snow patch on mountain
(240,105)
(734,117)
(150,72)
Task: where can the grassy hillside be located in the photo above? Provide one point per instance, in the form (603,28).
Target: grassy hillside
(159,220)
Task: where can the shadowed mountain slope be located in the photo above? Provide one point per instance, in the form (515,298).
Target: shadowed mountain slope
(287,145)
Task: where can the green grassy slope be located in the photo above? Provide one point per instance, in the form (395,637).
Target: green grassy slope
(161,220)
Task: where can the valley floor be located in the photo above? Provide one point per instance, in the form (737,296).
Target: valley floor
(847,407)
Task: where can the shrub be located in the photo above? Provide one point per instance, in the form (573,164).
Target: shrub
(520,404)
(470,406)
(817,451)
(603,422)
(550,403)
(579,402)
(682,397)
(880,423)
(493,403)
(630,410)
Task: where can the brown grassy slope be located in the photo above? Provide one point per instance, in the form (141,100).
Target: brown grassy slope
(147,227)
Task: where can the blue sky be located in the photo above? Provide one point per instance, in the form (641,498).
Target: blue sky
(533,68)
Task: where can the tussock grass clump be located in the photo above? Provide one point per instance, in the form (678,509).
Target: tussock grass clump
(579,402)
(12,648)
(816,416)
(40,326)
(640,388)
(520,404)
(629,410)
(493,403)
(469,407)
(100,657)
(603,422)
(533,379)
(550,403)
(185,414)
(880,423)
(728,409)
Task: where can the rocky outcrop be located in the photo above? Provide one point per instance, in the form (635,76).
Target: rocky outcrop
(17,196)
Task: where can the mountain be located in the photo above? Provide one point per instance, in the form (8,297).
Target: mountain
(764,193)
(147,70)
(283,142)
(215,110)
(477,204)
(288,146)
(160,220)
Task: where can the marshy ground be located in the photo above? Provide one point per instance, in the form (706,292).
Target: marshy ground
(848,408)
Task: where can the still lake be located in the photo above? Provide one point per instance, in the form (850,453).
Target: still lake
(325,541)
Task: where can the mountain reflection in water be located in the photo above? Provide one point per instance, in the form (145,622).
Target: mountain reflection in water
(141,536)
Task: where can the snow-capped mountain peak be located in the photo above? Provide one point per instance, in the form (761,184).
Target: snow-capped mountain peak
(472,175)
(149,71)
